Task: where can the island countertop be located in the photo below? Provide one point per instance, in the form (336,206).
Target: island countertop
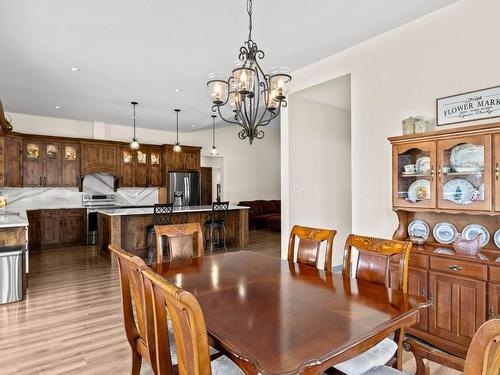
(149,210)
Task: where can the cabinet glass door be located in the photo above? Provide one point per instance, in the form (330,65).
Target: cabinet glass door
(70,153)
(413,175)
(464,173)
(142,157)
(155,158)
(51,151)
(32,151)
(127,157)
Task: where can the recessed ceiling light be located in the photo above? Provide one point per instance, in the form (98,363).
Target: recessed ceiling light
(193,126)
(178,90)
(57,107)
(74,69)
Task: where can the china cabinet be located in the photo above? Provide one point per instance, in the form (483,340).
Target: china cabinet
(450,179)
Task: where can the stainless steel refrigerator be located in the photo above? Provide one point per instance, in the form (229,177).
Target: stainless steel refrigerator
(184,188)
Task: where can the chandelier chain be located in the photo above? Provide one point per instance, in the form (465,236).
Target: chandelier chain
(249,11)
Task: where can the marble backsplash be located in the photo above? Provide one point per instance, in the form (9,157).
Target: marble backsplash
(19,199)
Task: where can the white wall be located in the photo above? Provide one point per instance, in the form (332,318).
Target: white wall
(393,76)
(320,169)
(250,172)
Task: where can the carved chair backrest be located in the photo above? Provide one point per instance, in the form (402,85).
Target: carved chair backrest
(308,248)
(139,330)
(188,323)
(180,240)
(483,356)
(374,259)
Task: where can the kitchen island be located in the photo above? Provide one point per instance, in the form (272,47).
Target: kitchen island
(127,228)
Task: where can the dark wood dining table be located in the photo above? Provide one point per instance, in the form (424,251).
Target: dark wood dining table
(272,316)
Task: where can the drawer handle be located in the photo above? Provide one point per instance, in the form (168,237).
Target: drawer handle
(455,268)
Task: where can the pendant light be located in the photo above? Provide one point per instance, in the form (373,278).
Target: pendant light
(213,151)
(134,145)
(177,146)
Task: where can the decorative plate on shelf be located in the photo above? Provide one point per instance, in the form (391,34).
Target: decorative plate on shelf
(442,250)
(419,228)
(496,238)
(419,190)
(471,231)
(459,191)
(444,232)
(423,165)
(466,157)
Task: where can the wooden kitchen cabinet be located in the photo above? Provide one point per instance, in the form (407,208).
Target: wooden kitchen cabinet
(98,157)
(141,168)
(51,164)
(155,172)
(127,167)
(206,186)
(70,169)
(13,161)
(62,226)
(458,309)
(188,160)
(496,166)
(34,229)
(32,163)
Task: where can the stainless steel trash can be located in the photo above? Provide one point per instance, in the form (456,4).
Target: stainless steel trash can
(11,274)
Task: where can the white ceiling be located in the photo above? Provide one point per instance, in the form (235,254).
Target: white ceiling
(335,93)
(143,50)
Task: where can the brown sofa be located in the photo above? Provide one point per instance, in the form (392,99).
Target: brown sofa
(264,214)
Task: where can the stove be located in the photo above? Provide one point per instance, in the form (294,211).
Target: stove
(93,203)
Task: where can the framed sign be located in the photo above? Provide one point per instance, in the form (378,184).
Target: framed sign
(469,106)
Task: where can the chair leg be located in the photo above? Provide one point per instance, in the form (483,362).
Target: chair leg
(150,247)
(399,337)
(211,239)
(136,363)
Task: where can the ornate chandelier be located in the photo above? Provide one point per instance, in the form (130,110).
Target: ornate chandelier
(255,97)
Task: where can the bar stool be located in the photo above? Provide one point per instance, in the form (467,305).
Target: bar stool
(215,225)
(162,214)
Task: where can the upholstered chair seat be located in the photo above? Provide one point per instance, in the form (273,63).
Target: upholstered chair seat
(379,355)
(385,370)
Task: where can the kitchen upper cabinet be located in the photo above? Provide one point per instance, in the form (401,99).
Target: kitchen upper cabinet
(13,160)
(155,175)
(141,168)
(32,163)
(70,171)
(127,167)
(464,173)
(188,160)
(458,309)
(51,164)
(98,158)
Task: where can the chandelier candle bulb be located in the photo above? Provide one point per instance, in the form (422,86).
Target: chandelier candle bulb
(255,97)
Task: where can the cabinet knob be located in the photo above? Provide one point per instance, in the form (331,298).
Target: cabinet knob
(455,267)
(497,171)
(431,297)
(432,174)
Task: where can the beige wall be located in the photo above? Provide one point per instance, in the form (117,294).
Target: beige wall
(393,76)
(320,174)
(250,172)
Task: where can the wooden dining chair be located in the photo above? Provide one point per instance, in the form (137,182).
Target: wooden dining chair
(483,355)
(374,255)
(189,331)
(180,239)
(308,248)
(140,336)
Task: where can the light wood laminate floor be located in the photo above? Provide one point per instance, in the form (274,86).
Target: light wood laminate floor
(71,319)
